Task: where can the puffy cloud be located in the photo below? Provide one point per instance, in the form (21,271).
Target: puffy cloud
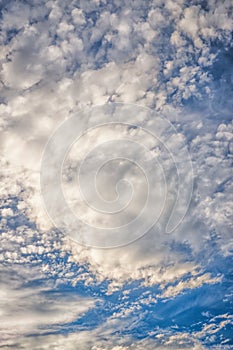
(32,114)
(59,57)
(35,56)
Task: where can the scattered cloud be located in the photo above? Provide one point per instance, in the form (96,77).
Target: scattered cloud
(58,58)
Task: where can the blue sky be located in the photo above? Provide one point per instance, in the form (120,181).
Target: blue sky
(172,63)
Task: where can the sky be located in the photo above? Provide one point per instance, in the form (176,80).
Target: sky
(116,174)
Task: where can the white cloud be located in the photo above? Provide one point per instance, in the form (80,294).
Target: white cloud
(61,59)
(193,282)
(96,340)
(27,311)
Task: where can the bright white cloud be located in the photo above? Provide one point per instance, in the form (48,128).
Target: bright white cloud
(57,58)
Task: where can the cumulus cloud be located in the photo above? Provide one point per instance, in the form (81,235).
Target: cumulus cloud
(59,57)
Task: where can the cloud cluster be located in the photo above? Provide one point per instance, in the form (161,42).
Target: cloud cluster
(57,58)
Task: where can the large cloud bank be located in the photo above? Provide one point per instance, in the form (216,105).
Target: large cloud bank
(60,57)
